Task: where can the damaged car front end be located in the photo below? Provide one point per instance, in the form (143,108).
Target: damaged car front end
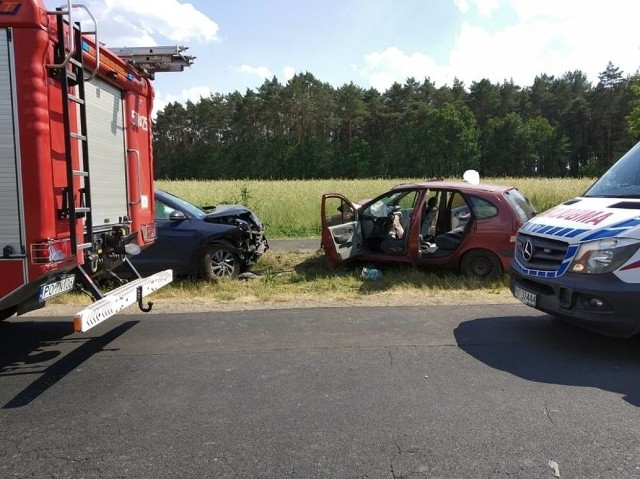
(247,238)
(210,242)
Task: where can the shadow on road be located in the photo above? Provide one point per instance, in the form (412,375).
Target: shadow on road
(545,350)
(36,348)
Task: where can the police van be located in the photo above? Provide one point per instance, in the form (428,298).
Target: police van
(580,261)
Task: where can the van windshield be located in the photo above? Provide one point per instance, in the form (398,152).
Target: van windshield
(622,180)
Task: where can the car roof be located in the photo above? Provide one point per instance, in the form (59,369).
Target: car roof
(164,194)
(453,185)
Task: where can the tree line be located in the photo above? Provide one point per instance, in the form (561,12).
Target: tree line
(309,129)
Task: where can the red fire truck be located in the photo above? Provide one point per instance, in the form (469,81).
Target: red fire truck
(76,160)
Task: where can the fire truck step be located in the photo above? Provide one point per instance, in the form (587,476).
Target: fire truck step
(84,245)
(80,173)
(75,62)
(78,136)
(76,99)
(82,209)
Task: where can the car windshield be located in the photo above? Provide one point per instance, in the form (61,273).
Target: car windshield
(387,204)
(520,204)
(187,207)
(622,180)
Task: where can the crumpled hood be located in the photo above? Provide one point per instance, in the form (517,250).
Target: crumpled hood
(228,210)
(224,213)
(585,219)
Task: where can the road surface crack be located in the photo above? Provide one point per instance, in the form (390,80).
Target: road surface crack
(549,414)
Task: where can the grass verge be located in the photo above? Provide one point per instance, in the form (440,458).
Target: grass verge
(302,279)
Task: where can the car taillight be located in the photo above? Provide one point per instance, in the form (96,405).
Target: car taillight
(149,232)
(52,251)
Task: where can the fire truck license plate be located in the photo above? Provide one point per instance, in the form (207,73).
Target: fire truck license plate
(530,299)
(54,288)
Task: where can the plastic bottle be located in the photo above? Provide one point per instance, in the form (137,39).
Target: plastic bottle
(371,274)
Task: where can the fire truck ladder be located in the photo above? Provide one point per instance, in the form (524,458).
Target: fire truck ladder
(151,60)
(71,72)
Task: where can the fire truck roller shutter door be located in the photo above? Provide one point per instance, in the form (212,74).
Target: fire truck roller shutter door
(11,241)
(107,153)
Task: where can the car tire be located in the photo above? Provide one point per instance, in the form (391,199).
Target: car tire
(220,262)
(481,264)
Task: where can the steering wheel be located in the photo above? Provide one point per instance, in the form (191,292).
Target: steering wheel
(381,221)
(381,224)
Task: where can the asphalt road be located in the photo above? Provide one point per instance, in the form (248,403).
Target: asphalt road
(444,392)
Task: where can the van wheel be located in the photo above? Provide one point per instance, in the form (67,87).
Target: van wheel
(481,264)
(220,262)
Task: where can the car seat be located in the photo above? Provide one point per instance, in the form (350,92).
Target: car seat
(450,240)
(428,220)
(394,246)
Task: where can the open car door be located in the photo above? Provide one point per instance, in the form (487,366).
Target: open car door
(341,232)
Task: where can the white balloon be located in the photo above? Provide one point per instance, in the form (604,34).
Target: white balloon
(471,176)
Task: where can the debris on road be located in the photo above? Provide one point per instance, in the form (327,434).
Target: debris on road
(371,274)
(556,469)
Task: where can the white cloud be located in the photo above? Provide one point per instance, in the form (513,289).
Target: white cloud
(169,18)
(548,36)
(262,72)
(288,73)
(388,66)
(462,5)
(193,94)
(487,7)
(144,22)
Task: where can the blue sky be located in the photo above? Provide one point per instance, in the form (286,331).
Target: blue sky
(239,43)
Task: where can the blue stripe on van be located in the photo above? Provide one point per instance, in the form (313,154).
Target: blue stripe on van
(614,230)
(552,230)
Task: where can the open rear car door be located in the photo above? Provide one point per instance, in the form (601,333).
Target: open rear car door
(341,232)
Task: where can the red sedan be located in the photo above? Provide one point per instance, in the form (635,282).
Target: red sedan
(434,224)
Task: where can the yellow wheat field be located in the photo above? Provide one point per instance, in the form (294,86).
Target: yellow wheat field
(292,208)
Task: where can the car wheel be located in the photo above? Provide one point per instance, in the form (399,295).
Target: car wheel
(220,262)
(481,264)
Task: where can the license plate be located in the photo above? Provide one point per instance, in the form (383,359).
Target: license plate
(528,298)
(54,288)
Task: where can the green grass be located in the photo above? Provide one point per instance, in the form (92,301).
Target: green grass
(291,209)
(304,278)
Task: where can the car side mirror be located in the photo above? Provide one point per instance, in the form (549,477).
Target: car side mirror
(177,215)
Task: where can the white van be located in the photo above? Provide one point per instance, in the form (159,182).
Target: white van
(580,261)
